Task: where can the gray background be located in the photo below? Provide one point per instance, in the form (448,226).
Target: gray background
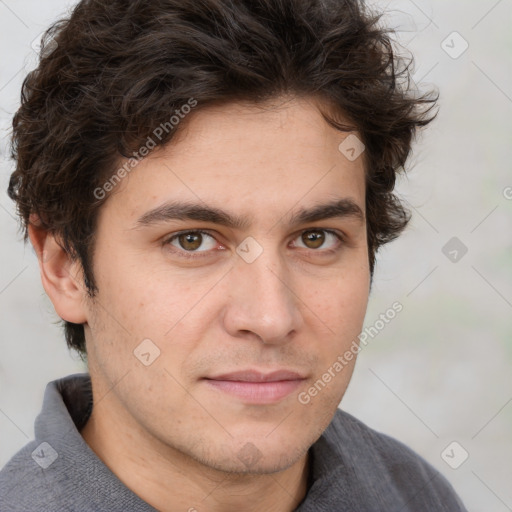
(441,370)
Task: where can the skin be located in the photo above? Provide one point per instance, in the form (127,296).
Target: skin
(162,427)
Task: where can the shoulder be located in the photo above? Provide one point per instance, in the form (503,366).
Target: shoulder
(39,473)
(368,442)
(23,481)
(381,465)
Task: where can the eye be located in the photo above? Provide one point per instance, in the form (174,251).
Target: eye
(187,244)
(316,238)
(190,242)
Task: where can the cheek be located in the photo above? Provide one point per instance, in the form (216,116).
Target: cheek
(341,302)
(133,308)
(143,301)
(341,308)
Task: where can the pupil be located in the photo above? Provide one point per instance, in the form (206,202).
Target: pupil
(190,241)
(316,238)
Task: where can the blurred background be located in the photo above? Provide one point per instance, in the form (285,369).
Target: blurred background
(439,375)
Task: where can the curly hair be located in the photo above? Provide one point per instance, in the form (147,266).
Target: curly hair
(113,71)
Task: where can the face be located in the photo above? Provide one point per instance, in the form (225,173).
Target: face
(218,267)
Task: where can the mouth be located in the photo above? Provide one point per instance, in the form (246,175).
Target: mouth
(257,387)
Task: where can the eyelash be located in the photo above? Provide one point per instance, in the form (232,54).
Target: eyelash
(198,254)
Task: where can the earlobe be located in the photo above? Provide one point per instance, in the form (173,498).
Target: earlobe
(60,276)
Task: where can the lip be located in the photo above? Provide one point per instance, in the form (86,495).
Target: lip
(257,387)
(253,375)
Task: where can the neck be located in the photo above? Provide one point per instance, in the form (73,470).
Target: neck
(171,481)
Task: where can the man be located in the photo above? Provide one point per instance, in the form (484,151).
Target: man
(206,185)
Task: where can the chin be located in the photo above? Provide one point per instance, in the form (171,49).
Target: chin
(251,454)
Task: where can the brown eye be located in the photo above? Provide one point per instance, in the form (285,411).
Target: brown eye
(313,239)
(326,239)
(190,241)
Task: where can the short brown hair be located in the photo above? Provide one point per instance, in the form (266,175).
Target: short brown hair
(117,69)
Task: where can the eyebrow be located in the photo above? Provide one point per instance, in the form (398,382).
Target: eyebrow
(176,210)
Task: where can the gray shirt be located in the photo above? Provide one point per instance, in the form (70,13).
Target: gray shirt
(353,468)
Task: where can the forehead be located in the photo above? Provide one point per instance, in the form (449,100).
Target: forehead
(259,159)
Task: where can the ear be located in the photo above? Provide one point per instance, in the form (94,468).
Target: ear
(61,277)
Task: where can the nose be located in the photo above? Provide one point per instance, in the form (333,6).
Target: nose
(261,300)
